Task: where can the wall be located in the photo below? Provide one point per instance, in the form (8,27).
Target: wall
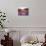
(36,21)
(36,18)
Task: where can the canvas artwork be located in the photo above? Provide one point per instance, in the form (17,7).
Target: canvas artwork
(23,11)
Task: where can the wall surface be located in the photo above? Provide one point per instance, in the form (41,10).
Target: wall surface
(37,13)
(36,21)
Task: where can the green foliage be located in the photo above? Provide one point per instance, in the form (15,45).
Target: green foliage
(2,19)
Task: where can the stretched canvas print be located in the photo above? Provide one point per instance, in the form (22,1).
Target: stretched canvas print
(23,11)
